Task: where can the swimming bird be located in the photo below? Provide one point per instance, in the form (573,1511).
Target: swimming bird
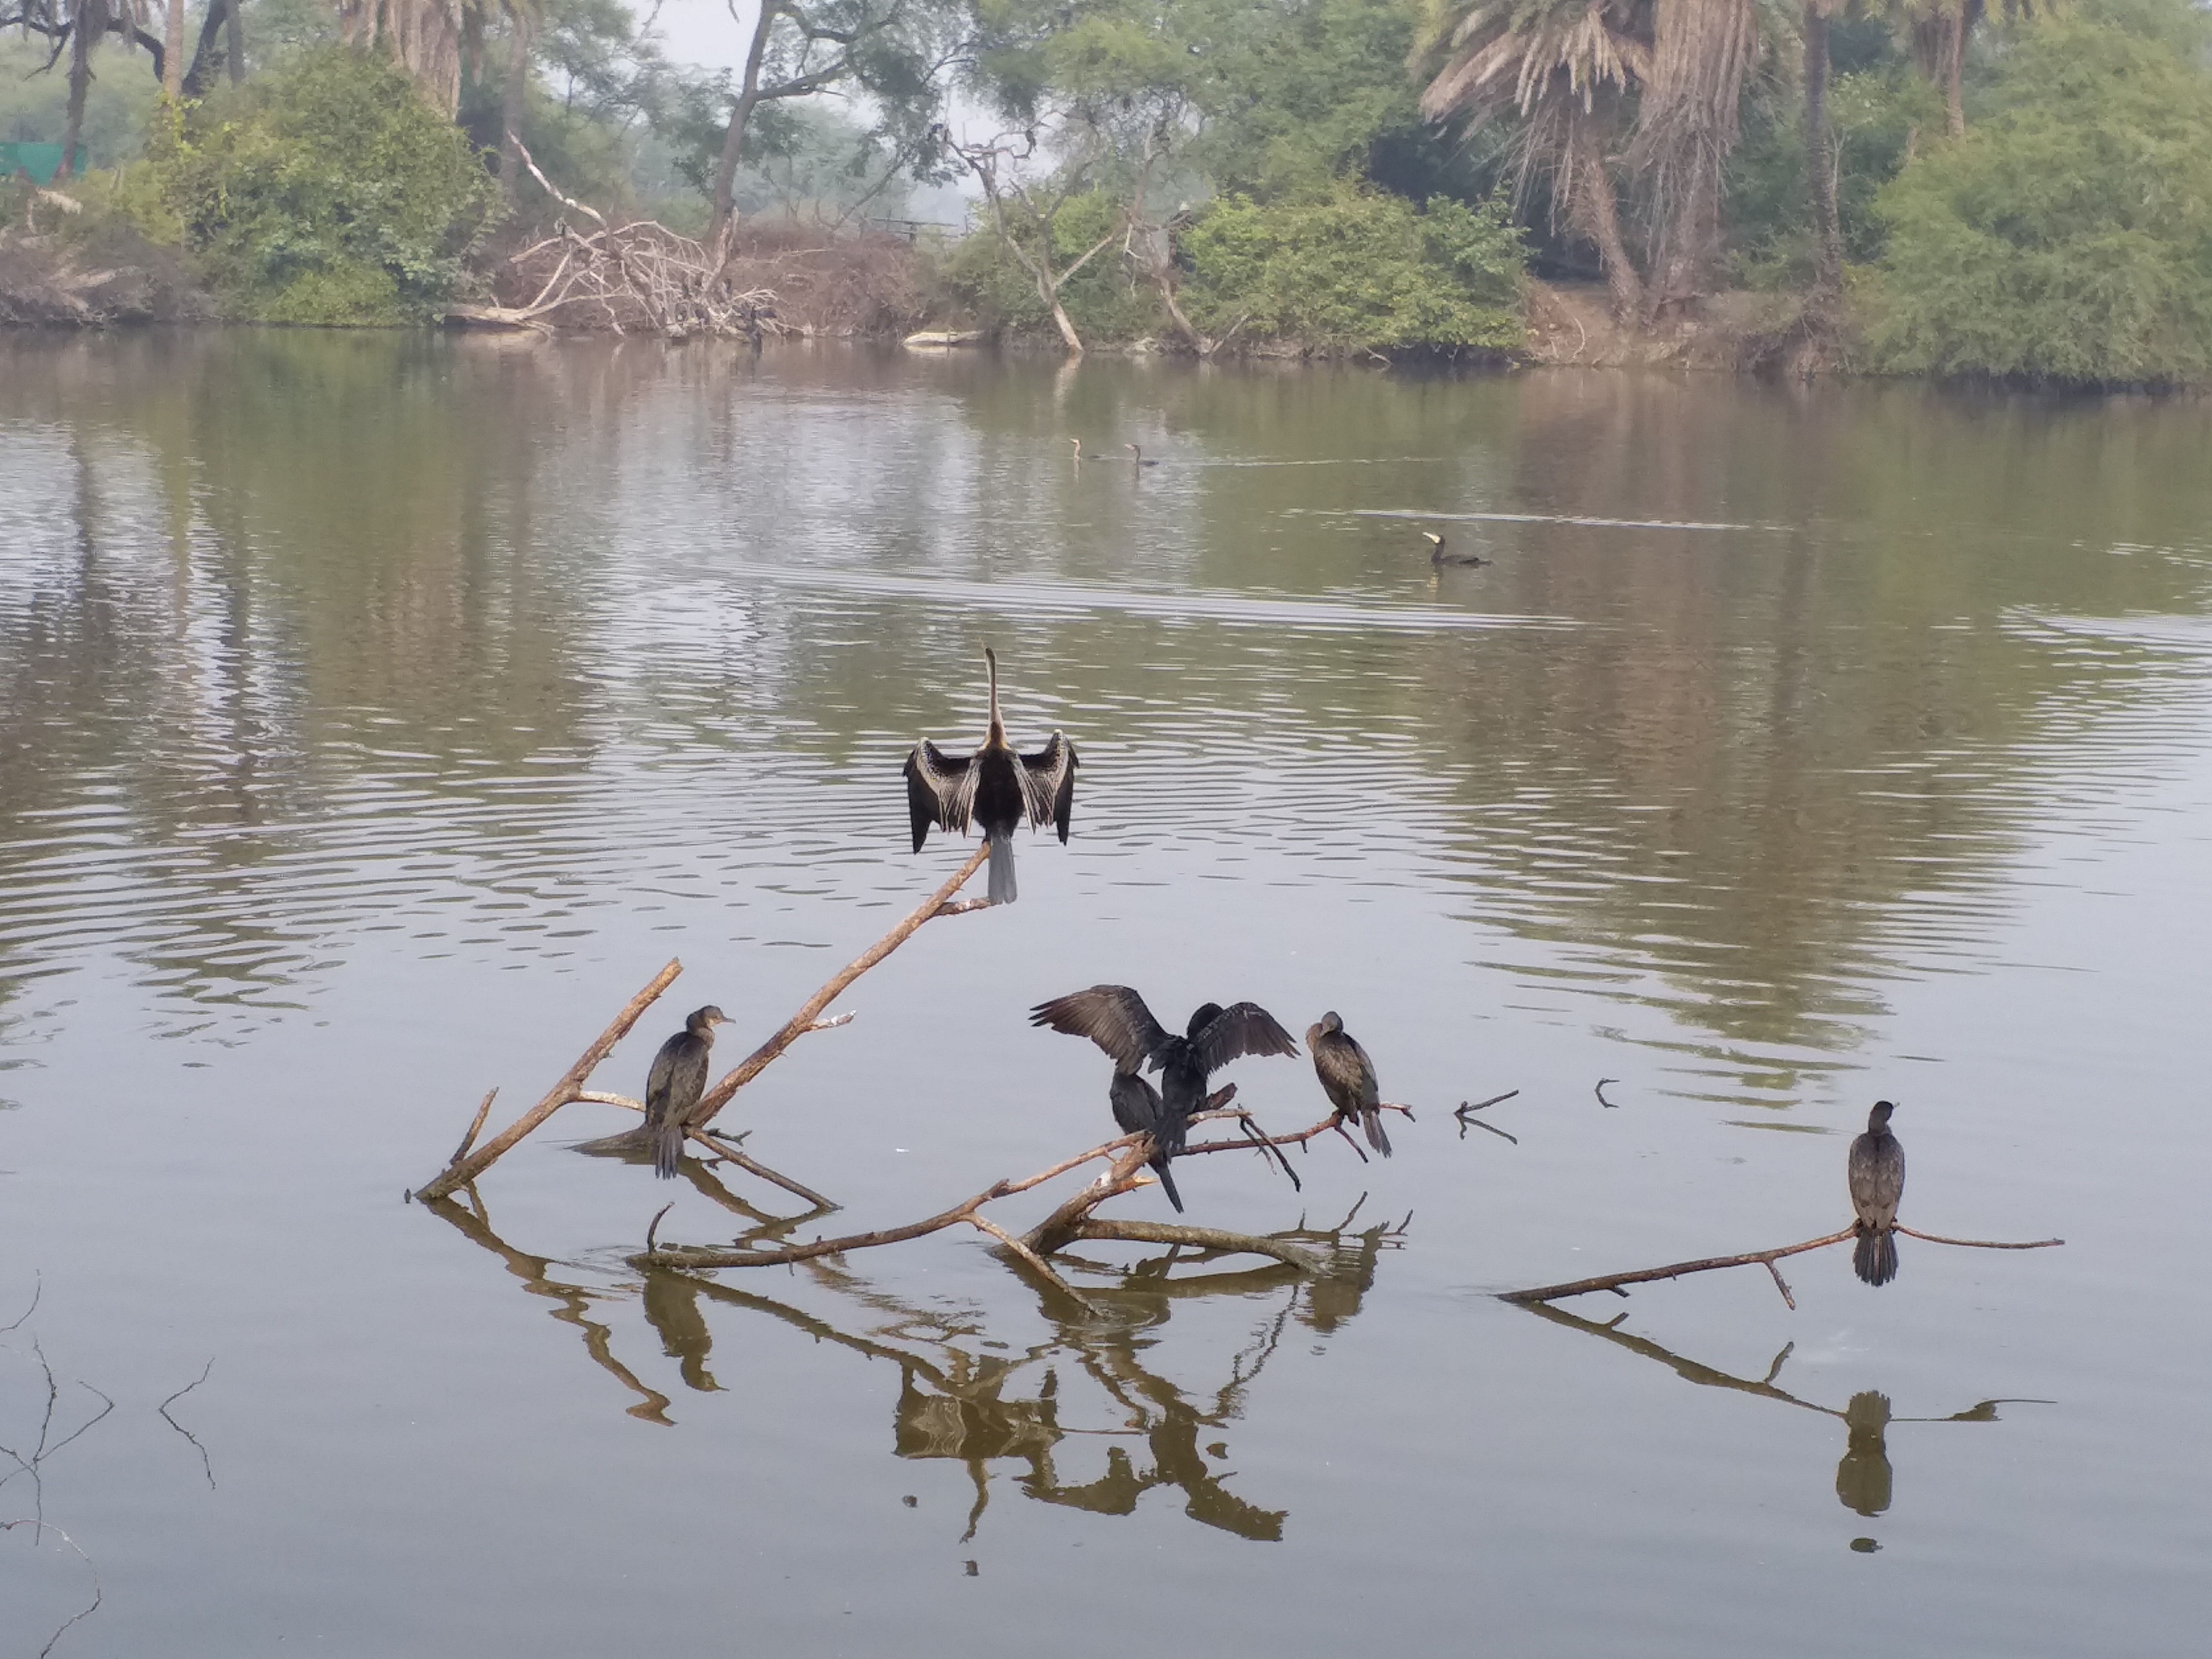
(994,787)
(1347,1078)
(1080,457)
(1438,555)
(674,1085)
(1116,1018)
(1877,1178)
(1140,454)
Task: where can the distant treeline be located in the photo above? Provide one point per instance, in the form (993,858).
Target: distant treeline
(1920,186)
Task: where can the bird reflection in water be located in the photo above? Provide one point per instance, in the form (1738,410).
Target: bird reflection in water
(671,1311)
(1864,1479)
(1043,1407)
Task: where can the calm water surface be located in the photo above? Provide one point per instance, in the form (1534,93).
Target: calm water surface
(380,713)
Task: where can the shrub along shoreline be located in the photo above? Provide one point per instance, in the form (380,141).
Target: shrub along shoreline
(2061,238)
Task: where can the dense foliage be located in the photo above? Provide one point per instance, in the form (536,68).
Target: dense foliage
(2067,237)
(326,191)
(1360,270)
(2017,192)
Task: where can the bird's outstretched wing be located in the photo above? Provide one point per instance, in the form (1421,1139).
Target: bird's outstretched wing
(1243,1028)
(940,789)
(1112,1016)
(1049,784)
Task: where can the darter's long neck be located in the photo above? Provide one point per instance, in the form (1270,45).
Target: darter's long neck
(998,733)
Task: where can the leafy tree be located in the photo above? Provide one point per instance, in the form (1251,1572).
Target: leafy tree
(1361,270)
(2067,238)
(325,192)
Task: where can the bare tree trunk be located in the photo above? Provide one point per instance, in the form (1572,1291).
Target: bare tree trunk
(733,141)
(1820,161)
(1955,105)
(234,36)
(172,51)
(90,21)
(510,111)
(1595,214)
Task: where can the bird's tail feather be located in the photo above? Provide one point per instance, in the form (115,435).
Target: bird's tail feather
(1372,1121)
(1002,889)
(667,1149)
(1875,1260)
(1167,1183)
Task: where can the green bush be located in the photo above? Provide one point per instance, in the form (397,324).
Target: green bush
(1360,270)
(1105,299)
(2067,238)
(324,193)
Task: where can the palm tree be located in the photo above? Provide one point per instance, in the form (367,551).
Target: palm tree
(1686,129)
(1572,72)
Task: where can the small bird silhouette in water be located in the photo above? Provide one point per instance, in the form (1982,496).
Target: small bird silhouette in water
(994,787)
(1116,1018)
(1347,1078)
(674,1085)
(1439,555)
(1080,457)
(1139,455)
(1877,1178)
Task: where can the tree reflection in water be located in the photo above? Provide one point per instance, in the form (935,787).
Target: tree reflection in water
(959,1399)
(1863,1478)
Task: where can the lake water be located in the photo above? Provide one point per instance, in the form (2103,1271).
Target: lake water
(380,713)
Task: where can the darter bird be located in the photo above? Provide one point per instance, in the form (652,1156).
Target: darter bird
(994,787)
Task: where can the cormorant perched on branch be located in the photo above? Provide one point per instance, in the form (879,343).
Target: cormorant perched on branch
(1116,1018)
(1347,1078)
(1877,1177)
(994,787)
(674,1085)
(1136,1109)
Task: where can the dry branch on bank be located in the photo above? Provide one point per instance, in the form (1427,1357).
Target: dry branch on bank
(1766,1259)
(466,1166)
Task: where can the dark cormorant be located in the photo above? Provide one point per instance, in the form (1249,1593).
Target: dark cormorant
(1140,454)
(994,787)
(1437,555)
(1877,1176)
(1347,1078)
(1136,1109)
(674,1085)
(1116,1018)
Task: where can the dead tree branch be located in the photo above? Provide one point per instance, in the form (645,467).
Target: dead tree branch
(466,1166)
(638,277)
(462,1169)
(1765,1258)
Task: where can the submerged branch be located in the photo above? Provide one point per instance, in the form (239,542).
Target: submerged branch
(1765,1258)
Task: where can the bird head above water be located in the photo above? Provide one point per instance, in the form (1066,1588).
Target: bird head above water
(703,1020)
(1878,1119)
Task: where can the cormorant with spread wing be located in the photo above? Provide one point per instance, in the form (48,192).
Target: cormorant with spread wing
(1347,1078)
(1876,1170)
(1116,1018)
(994,787)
